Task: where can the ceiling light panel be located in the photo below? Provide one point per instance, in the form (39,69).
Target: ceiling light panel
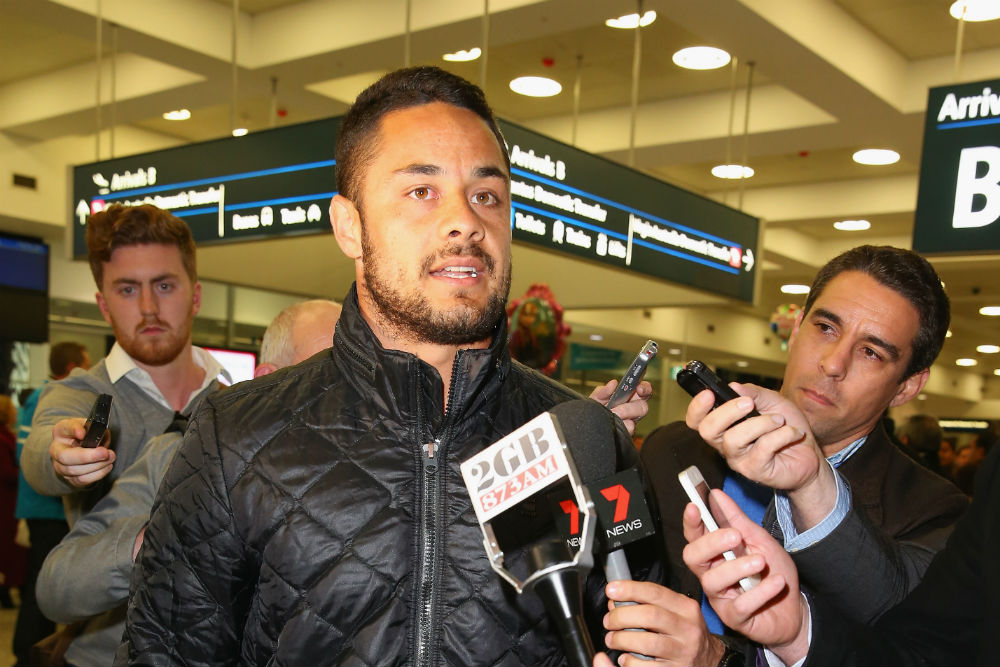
(701,58)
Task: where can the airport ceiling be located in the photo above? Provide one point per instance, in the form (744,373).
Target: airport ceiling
(828,77)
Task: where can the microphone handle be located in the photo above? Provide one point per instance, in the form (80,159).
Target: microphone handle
(616,569)
(561,592)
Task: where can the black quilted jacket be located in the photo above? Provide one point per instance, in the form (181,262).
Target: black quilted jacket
(302,522)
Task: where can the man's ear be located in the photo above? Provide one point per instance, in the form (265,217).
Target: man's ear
(910,387)
(346,223)
(264,369)
(103,306)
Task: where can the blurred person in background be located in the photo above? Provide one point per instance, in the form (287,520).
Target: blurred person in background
(44,517)
(921,437)
(13,558)
(946,457)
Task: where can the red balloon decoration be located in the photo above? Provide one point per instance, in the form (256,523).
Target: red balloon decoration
(538,333)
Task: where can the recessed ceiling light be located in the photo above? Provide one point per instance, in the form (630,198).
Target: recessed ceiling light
(732,171)
(463,56)
(701,57)
(988,349)
(792,288)
(975,10)
(852,225)
(922,397)
(990,311)
(631,21)
(536,86)
(948,335)
(876,156)
(742,364)
(240,131)
(965,361)
(674,351)
(596,337)
(996,371)
(177,114)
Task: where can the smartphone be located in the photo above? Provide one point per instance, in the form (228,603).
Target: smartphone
(97,422)
(697,489)
(695,377)
(633,376)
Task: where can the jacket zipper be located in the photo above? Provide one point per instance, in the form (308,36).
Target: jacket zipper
(433,464)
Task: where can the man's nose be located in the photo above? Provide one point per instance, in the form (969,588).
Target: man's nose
(461,221)
(836,359)
(148,303)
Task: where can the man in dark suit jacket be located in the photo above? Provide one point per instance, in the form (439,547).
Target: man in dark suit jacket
(948,619)
(861,519)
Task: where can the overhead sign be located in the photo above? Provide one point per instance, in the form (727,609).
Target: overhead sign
(567,200)
(958,204)
(271,183)
(279,182)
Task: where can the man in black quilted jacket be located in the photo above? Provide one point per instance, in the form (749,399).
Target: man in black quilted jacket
(318,515)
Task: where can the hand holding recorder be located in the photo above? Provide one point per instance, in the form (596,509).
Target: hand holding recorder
(80,447)
(776,448)
(628,397)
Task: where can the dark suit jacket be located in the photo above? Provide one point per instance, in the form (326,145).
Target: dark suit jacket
(901,514)
(949,618)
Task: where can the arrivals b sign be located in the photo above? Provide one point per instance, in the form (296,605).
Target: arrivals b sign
(958,205)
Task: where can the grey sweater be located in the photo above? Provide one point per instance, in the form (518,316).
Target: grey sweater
(87,575)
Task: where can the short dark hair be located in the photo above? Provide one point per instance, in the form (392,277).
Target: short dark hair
(62,355)
(907,273)
(402,89)
(120,226)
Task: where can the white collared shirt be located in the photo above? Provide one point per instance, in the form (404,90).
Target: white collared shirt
(119,364)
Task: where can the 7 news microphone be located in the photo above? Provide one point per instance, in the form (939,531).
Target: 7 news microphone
(546,464)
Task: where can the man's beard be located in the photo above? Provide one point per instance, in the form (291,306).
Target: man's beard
(149,352)
(410,314)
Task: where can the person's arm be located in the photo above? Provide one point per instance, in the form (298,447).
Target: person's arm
(947,618)
(88,572)
(632,410)
(191,571)
(51,460)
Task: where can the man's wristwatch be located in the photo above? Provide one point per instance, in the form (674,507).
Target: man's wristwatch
(732,657)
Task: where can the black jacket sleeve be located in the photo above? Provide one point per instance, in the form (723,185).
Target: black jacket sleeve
(191,552)
(947,617)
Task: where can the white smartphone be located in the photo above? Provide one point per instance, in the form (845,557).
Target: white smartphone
(697,489)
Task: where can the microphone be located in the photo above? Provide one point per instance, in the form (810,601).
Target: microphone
(505,480)
(623,515)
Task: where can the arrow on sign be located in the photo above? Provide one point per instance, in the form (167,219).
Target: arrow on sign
(82,211)
(748,259)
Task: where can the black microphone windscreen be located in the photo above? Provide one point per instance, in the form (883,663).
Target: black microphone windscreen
(589,429)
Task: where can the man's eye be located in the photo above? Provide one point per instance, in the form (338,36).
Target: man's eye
(484,198)
(872,354)
(165,287)
(127,290)
(420,193)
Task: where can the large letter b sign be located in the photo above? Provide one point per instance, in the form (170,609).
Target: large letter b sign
(968,211)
